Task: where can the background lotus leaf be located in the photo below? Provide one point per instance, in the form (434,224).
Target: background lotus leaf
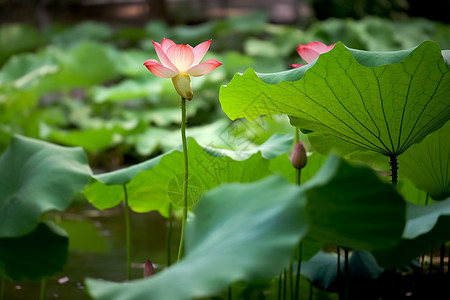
(36,177)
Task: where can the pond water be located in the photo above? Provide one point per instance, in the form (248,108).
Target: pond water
(98,250)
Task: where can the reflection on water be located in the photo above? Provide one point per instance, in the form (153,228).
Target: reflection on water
(98,250)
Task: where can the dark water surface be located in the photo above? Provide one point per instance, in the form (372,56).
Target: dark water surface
(98,250)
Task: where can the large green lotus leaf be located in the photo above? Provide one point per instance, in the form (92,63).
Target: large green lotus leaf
(426,226)
(355,209)
(36,177)
(427,163)
(351,94)
(243,232)
(40,253)
(239,232)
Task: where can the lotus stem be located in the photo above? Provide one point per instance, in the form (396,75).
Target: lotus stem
(339,279)
(128,232)
(280,278)
(186,176)
(42,293)
(346,274)
(299,268)
(394,169)
(169,236)
(298,175)
(291,280)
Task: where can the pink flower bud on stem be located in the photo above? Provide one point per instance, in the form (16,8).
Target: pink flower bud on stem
(298,158)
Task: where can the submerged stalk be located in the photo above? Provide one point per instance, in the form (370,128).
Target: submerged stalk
(128,232)
(186,176)
(299,269)
(42,292)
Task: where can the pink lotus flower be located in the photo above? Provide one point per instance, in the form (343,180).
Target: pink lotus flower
(179,62)
(311,52)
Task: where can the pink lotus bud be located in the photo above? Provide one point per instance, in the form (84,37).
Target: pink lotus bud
(298,158)
(148,269)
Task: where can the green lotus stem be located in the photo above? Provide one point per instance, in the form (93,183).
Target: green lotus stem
(186,176)
(291,281)
(310,290)
(338,250)
(423,255)
(42,293)
(280,278)
(169,236)
(230,294)
(284,284)
(298,174)
(128,233)
(299,264)
(394,169)
(346,274)
(299,269)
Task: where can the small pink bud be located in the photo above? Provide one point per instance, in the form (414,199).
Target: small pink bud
(148,269)
(298,158)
